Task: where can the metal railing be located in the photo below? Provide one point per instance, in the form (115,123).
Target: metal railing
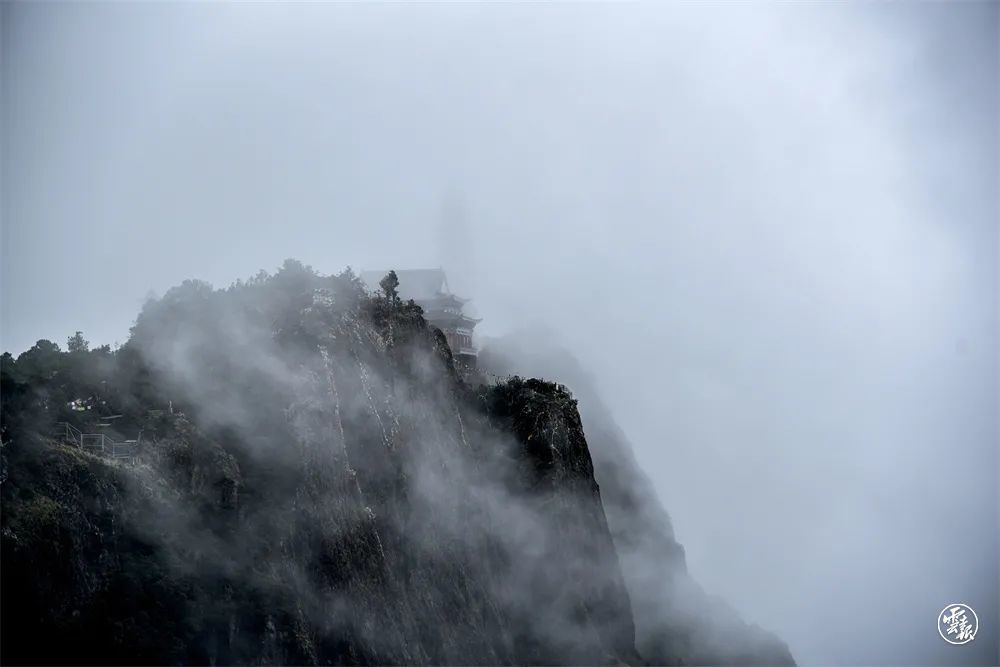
(101,444)
(72,434)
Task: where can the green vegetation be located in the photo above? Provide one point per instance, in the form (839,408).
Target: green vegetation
(316,485)
(46,385)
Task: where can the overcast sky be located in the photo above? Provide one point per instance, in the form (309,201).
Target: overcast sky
(769,231)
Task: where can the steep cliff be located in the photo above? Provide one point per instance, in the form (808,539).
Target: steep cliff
(676,622)
(316,484)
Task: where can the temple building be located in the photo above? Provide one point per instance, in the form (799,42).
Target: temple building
(429,289)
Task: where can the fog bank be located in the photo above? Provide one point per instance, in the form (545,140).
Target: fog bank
(768,232)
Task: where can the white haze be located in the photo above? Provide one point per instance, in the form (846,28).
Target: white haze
(768,231)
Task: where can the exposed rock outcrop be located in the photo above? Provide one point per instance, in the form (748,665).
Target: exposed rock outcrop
(332,493)
(676,622)
(317,485)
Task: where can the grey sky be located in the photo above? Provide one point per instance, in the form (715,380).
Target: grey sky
(770,231)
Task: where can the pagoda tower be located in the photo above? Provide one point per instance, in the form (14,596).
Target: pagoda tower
(429,289)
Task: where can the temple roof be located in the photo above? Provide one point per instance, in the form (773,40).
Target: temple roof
(416,284)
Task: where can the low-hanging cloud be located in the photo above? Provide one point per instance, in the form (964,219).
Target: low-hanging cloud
(768,232)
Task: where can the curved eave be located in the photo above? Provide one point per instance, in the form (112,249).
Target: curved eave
(450,320)
(446,296)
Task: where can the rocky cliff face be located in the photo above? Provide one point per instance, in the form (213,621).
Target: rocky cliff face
(316,485)
(676,621)
(327,490)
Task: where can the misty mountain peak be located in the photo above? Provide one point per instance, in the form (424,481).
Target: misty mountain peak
(317,483)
